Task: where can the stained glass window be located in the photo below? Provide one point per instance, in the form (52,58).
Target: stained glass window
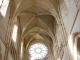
(38,51)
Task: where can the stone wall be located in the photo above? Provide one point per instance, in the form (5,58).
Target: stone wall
(2,50)
(71,22)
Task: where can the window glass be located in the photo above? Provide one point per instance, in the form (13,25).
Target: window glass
(0,2)
(14,34)
(4,7)
(38,51)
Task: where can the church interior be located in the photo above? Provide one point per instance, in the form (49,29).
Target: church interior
(39,30)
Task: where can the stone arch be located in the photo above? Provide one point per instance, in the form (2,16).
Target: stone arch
(59,20)
(75,45)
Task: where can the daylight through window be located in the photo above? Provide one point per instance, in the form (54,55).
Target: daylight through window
(14,34)
(38,51)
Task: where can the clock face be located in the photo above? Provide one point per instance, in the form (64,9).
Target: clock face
(38,51)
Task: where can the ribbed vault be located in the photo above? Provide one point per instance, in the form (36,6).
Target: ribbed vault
(37,21)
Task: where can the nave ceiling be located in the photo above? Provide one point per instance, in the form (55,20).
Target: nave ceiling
(37,21)
(36,17)
(29,23)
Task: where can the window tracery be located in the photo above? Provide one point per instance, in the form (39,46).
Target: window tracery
(38,51)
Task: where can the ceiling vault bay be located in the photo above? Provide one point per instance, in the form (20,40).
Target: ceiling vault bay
(38,21)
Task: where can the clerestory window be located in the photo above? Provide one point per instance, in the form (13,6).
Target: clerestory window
(14,33)
(3,7)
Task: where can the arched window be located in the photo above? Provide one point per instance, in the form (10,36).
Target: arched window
(74,45)
(14,33)
(3,7)
(0,2)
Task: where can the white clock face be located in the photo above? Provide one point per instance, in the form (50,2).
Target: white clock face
(38,51)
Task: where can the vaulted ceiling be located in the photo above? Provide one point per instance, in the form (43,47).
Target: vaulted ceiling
(37,20)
